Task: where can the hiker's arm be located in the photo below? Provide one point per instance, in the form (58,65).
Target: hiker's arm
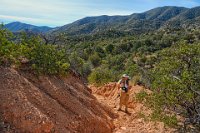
(118,85)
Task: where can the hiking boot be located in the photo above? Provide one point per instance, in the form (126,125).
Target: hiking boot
(126,110)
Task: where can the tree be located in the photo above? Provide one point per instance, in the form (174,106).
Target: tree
(177,79)
(75,61)
(100,76)
(100,51)
(109,48)
(95,59)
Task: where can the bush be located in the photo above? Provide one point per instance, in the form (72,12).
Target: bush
(100,76)
(136,80)
(168,120)
(109,48)
(176,81)
(9,52)
(141,96)
(86,70)
(47,59)
(76,62)
(95,60)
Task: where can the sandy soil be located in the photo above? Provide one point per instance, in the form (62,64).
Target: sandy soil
(130,122)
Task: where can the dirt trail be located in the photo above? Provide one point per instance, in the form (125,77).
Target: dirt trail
(131,122)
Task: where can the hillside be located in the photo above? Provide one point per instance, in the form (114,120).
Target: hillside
(41,72)
(29,103)
(18,26)
(138,22)
(154,19)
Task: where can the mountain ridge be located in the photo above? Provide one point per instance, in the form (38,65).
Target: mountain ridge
(19,26)
(154,19)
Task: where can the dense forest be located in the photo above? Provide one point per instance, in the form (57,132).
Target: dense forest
(166,61)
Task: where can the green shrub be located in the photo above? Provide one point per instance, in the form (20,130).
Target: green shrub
(141,96)
(100,76)
(136,80)
(95,60)
(75,61)
(170,121)
(86,70)
(47,59)
(109,48)
(9,52)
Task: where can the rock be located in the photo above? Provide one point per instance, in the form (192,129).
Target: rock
(123,128)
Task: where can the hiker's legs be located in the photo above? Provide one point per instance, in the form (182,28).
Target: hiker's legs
(121,100)
(120,107)
(126,103)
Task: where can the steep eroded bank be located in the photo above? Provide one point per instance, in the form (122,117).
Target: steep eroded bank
(49,104)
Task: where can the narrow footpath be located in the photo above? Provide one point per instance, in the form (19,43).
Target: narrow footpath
(132,122)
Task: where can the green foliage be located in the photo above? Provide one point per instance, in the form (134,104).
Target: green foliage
(176,80)
(156,102)
(132,70)
(168,120)
(86,69)
(9,52)
(136,79)
(95,60)
(141,96)
(178,72)
(109,48)
(100,51)
(75,61)
(100,76)
(47,59)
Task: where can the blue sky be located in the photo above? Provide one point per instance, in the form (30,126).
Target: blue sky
(59,12)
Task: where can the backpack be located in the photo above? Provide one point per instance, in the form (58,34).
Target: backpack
(124,87)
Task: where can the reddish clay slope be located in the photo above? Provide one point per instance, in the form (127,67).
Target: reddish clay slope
(131,122)
(49,104)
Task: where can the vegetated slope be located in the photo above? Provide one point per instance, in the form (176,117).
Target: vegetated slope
(154,19)
(187,18)
(18,26)
(138,22)
(49,104)
(133,121)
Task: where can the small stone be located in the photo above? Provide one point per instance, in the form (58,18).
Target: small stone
(123,128)
(140,120)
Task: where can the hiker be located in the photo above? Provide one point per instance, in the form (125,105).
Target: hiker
(123,86)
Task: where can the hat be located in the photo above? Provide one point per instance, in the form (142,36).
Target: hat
(125,76)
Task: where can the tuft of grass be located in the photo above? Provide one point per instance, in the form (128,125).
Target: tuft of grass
(170,121)
(141,96)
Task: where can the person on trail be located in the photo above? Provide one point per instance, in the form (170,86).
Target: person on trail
(123,86)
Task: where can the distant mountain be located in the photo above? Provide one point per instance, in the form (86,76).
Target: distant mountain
(18,26)
(154,19)
(186,18)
